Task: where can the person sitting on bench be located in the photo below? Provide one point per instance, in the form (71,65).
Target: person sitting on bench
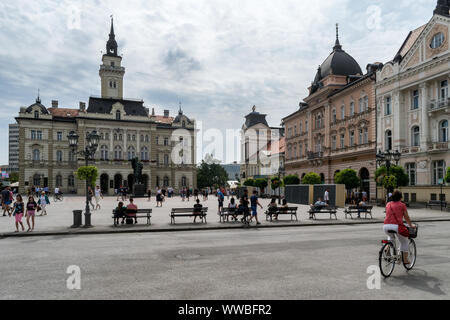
(232,208)
(273,208)
(197,210)
(317,206)
(132,210)
(362,204)
(120,212)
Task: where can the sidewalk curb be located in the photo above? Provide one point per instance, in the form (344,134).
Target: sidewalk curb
(92,231)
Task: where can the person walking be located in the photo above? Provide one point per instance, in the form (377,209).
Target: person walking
(98,194)
(31,212)
(18,212)
(43,202)
(220,199)
(90,196)
(326,196)
(159,199)
(254,203)
(6,201)
(149,195)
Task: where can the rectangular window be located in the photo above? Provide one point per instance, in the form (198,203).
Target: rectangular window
(444,90)
(59,136)
(438,172)
(333,143)
(352,109)
(361,137)
(343,112)
(415,100)
(342,141)
(366,135)
(411,171)
(388,107)
(33,135)
(39,135)
(352,138)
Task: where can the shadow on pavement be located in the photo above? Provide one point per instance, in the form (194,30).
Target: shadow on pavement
(417,279)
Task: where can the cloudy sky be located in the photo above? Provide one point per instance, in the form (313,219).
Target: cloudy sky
(218,57)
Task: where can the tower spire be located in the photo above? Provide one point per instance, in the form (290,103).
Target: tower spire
(111,45)
(442,8)
(337,45)
(38,99)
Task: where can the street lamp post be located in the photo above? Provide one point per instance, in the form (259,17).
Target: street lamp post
(280,171)
(386,158)
(92,141)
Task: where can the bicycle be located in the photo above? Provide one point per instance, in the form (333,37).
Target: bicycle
(58,197)
(390,256)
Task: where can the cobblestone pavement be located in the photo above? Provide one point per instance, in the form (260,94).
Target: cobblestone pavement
(60,216)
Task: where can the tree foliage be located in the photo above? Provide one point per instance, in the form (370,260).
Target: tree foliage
(276,183)
(398,172)
(349,178)
(261,184)
(447,177)
(249,183)
(211,175)
(291,180)
(311,178)
(87,173)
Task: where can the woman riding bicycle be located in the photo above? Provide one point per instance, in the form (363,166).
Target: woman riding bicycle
(396,211)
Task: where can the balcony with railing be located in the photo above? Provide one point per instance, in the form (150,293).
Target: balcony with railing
(437,147)
(315,155)
(440,104)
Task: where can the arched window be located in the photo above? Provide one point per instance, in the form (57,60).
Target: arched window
(146,138)
(131,153)
(58,181)
(415,136)
(117,153)
(144,154)
(115,136)
(352,109)
(59,156)
(443,131)
(36,155)
(388,140)
(166,181)
(104,153)
(128,137)
(71,181)
(183,182)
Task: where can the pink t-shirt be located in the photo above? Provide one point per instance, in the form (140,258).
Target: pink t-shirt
(395,212)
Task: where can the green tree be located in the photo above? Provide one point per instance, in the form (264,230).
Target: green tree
(211,174)
(311,178)
(249,183)
(13,177)
(447,177)
(349,178)
(275,183)
(398,172)
(87,173)
(261,184)
(291,180)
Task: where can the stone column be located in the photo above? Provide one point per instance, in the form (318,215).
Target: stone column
(424,128)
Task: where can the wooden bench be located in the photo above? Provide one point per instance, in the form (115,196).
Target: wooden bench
(187,212)
(292,211)
(367,210)
(141,214)
(436,203)
(224,216)
(322,209)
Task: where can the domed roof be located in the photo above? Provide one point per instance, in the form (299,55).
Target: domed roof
(42,108)
(339,63)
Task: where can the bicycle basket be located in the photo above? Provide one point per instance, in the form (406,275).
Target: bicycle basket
(413,232)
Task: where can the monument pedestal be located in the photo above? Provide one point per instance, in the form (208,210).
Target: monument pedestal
(139,190)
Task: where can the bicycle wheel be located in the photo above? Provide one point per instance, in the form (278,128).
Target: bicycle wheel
(412,255)
(387,259)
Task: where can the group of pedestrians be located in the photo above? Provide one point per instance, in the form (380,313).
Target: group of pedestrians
(18,209)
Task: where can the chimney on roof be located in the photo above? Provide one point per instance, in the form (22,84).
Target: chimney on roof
(82,106)
(54,103)
(166,113)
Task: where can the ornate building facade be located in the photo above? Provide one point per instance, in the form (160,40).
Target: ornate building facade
(413,98)
(334,128)
(165,144)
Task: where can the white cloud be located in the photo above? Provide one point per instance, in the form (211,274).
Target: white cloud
(218,57)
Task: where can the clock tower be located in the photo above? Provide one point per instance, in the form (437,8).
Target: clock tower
(111,71)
